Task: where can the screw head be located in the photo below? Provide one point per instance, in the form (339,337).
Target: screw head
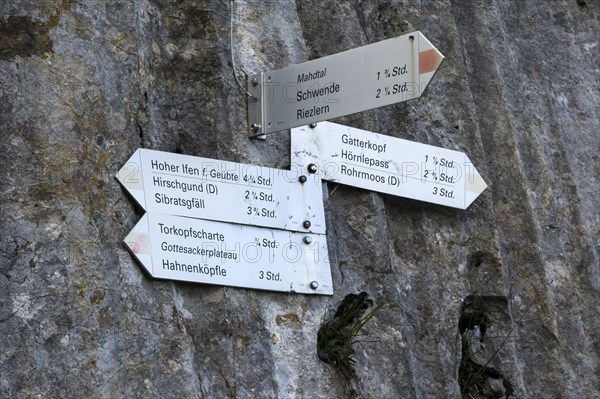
(312,125)
(314,285)
(306,224)
(312,168)
(302,179)
(254,127)
(254,81)
(411,37)
(307,239)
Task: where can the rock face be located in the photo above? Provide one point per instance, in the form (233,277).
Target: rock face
(498,300)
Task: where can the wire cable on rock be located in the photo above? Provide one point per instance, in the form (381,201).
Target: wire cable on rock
(232,57)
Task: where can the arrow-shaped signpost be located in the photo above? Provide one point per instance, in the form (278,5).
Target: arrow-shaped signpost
(203,217)
(387,164)
(186,249)
(356,80)
(184,235)
(183,185)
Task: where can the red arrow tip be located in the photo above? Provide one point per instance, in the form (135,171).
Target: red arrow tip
(429,60)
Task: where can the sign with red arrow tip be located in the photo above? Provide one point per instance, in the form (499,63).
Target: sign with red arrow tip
(388,164)
(356,80)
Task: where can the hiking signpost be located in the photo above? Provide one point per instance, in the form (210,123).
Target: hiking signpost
(227,223)
(183,185)
(372,76)
(387,164)
(204,251)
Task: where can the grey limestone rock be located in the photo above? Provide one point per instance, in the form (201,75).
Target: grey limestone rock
(511,285)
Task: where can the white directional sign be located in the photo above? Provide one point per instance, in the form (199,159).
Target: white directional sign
(212,189)
(368,77)
(387,164)
(196,250)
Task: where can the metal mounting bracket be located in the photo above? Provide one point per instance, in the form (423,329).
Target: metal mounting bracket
(256,112)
